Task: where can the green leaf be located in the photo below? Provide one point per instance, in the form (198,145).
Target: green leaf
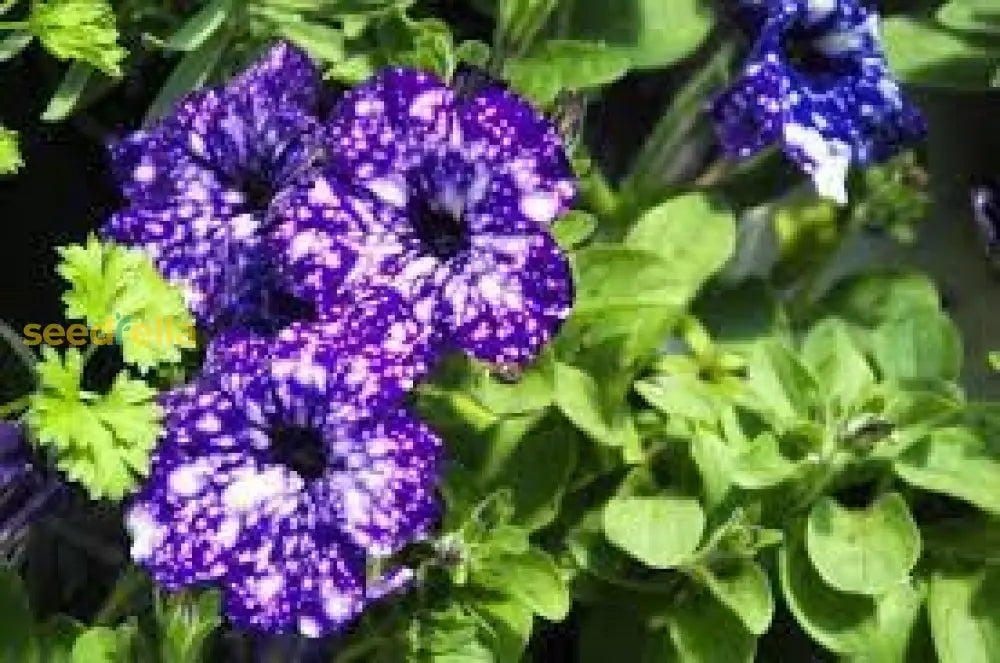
(518,23)
(533,391)
(871,298)
(579,397)
(12,45)
(681,395)
(17,630)
(779,383)
(573,229)
(510,624)
(703,631)
(863,551)
(68,95)
(186,620)
(320,41)
(982,16)
(190,73)
(654,33)
(620,278)
(103,442)
(532,578)
(848,624)
(120,291)
(661,532)
(956,461)
(197,29)
(571,66)
(101,644)
(964,612)
(538,471)
(743,587)
(761,464)
(921,52)
(82,30)
(10,153)
(924,345)
(695,238)
(840,367)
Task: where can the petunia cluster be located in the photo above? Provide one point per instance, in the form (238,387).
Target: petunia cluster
(816,83)
(332,259)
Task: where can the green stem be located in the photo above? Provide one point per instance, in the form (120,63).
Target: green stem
(598,195)
(14,25)
(130,584)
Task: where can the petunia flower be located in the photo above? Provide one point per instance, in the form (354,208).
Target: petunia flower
(26,488)
(816,83)
(287,467)
(445,198)
(200,181)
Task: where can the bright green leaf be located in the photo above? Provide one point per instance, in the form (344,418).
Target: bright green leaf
(921,52)
(924,345)
(202,25)
(743,587)
(703,631)
(695,237)
(101,441)
(101,644)
(653,32)
(574,229)
(120,291)
(863,551)
(510,625)
(662,532)
(778,382)
(955,461)
(571,66)
(532,578)
(871,298)
(760,464)
(840,367)
(964,612)
(186,620)
(849,624)
(81,30)
(10,153)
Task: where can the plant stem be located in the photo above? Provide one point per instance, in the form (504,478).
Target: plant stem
(131,582)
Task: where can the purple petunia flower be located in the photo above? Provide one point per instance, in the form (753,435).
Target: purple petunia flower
(199,182)
(443,198)
(817,83)
(25,489)
(288,465)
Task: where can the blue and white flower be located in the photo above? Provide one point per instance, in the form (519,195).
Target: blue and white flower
(816,83)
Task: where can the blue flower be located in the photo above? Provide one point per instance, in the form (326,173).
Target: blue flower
(289,464)
(816,83)
(199,182)
(444,198)
(26,488)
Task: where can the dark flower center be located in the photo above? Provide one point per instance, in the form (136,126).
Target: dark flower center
(801,53)
(442,233)
(301,449)
(258,190)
